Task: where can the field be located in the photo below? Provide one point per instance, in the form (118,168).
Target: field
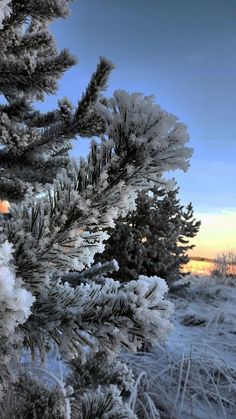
(194,374)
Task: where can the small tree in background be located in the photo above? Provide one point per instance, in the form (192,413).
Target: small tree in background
(50,297)
(154,238)
(225,265)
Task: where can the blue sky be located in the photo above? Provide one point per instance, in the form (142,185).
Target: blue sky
(183,52)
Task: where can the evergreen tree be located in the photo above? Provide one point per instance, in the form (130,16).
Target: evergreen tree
(154,238)
(50,296)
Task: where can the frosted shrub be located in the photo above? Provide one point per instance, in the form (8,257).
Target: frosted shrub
(225,266)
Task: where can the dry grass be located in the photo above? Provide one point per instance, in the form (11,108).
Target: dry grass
(195,376)
(178,387)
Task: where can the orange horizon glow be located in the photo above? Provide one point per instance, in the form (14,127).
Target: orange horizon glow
(217,235)
(198,267)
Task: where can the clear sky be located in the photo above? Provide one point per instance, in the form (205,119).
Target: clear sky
(183,52)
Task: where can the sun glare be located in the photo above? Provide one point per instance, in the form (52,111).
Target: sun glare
(217,235)
(4,207)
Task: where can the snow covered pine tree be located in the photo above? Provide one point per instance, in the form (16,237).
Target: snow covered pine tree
(153,239)
(60,212)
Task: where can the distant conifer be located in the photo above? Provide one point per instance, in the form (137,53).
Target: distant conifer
(154,238)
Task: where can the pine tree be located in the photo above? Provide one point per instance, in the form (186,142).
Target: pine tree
(154,238)
(51,298)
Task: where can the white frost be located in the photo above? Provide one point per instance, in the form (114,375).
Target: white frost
(15,301)
(5,11)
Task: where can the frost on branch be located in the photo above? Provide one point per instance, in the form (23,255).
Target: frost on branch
(100,369)
(36,146)
(146,136)
(61,300)
(5,11)
(15,301)
(33,399)
(105,377)
(103,316)
(15,307)
(105,403)
(66,228)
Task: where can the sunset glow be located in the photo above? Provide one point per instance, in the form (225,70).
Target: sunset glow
(197,267)
(217,234)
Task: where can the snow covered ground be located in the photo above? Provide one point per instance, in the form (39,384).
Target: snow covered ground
(205,315)
(194,376)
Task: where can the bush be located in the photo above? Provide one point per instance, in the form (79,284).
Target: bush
(225,266)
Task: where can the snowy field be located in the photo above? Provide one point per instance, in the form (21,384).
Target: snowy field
(194,376)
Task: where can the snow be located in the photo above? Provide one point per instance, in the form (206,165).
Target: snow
(213,306)
(5,11)
(194,374)
(15,301)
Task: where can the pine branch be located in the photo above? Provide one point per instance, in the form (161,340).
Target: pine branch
(42,10)
(95,273)
(27,80)
(87,315)
(82,123)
